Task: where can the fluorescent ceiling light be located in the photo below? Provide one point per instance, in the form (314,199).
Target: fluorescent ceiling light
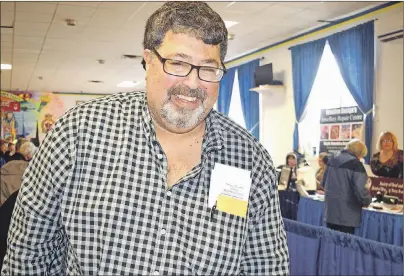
(230,23)
(127,84)
(6,66)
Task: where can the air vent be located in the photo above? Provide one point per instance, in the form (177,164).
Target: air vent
(391,36)
(95,81)
(131,56)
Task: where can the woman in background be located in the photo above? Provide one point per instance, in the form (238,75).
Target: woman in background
(388,162)
(322,162)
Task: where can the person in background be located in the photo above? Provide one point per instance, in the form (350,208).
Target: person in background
(344,183)
(120,185)
(11,173)
(388,162)
(10,151)
(3,147)
(3,150)
(17,154)
(322,163)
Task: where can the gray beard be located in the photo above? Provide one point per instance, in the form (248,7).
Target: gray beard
(182,118)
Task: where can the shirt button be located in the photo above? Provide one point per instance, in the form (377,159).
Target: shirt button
(160,156)
(168,193)
(163,231)
(156,273)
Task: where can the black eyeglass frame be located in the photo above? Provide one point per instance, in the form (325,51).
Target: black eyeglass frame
(163,61)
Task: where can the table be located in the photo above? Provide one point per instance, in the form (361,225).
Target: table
(288,201)
(378,226)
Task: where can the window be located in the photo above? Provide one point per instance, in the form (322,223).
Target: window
(329,91)
(235,110)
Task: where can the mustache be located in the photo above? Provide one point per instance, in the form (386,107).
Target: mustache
(198,93)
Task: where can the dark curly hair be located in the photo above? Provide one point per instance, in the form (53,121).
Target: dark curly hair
(194,18)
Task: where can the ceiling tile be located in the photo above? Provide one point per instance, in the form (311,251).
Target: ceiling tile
(277,11)
(24,58)
(72,11)
(7,6)
(59,30)
(109,18)
(6,31)
(27,51)
(122,6)
(34,17)
(7,18)
(59,44)
(36,7)
(23,42)
(100,34)
(5,79)
(84,3)
(35,29)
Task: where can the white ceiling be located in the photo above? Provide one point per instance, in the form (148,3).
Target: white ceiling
(42,45)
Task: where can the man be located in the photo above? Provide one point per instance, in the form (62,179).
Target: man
(121,184)
(11,172)
(344,180)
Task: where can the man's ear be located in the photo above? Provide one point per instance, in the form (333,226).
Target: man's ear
(147,59)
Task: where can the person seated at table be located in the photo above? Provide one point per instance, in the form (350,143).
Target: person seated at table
(388,162)
(322,163)
(291,162)
(344,183)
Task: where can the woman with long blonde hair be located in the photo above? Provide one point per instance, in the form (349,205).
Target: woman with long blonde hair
(388,162)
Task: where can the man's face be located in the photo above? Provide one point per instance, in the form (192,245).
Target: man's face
(179,104)
(11,147)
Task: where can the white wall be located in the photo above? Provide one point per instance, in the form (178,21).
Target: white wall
(277,110)
(69,100)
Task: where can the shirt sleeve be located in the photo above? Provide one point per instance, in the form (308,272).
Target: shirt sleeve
(373,164)
(266,250)
(36,240)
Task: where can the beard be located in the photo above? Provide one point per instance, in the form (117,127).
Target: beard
(180,117)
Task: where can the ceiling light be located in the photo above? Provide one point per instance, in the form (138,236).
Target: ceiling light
(6,66)
(230,36)
(230,23)
(127,84)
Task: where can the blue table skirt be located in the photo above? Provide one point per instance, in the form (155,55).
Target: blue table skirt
(377,226)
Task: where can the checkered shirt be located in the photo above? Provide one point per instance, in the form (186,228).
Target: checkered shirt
(94,201)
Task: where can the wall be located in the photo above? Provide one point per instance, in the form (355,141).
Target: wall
(70,100)
(277,109)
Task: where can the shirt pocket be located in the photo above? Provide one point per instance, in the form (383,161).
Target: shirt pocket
(222,250)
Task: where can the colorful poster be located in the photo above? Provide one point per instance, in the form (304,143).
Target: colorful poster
(338,126)
(28,113)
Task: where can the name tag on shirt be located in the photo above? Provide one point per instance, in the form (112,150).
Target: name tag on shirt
(230,189)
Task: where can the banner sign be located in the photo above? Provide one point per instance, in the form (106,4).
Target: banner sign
(387,186)
(22,112)
(338,126)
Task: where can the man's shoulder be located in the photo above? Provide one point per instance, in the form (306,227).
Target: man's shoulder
(122,98)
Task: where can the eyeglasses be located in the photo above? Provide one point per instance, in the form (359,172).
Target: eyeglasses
(182,69)
(387,141)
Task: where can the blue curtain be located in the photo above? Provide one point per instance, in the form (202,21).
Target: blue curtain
(305,61)
(225,91)
(249,100)
(354,51)
(315,250)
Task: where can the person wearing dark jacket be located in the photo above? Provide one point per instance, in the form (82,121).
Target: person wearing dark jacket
(344,183)
(17,155)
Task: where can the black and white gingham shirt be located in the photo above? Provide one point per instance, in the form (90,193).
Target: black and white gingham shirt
(94,201)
